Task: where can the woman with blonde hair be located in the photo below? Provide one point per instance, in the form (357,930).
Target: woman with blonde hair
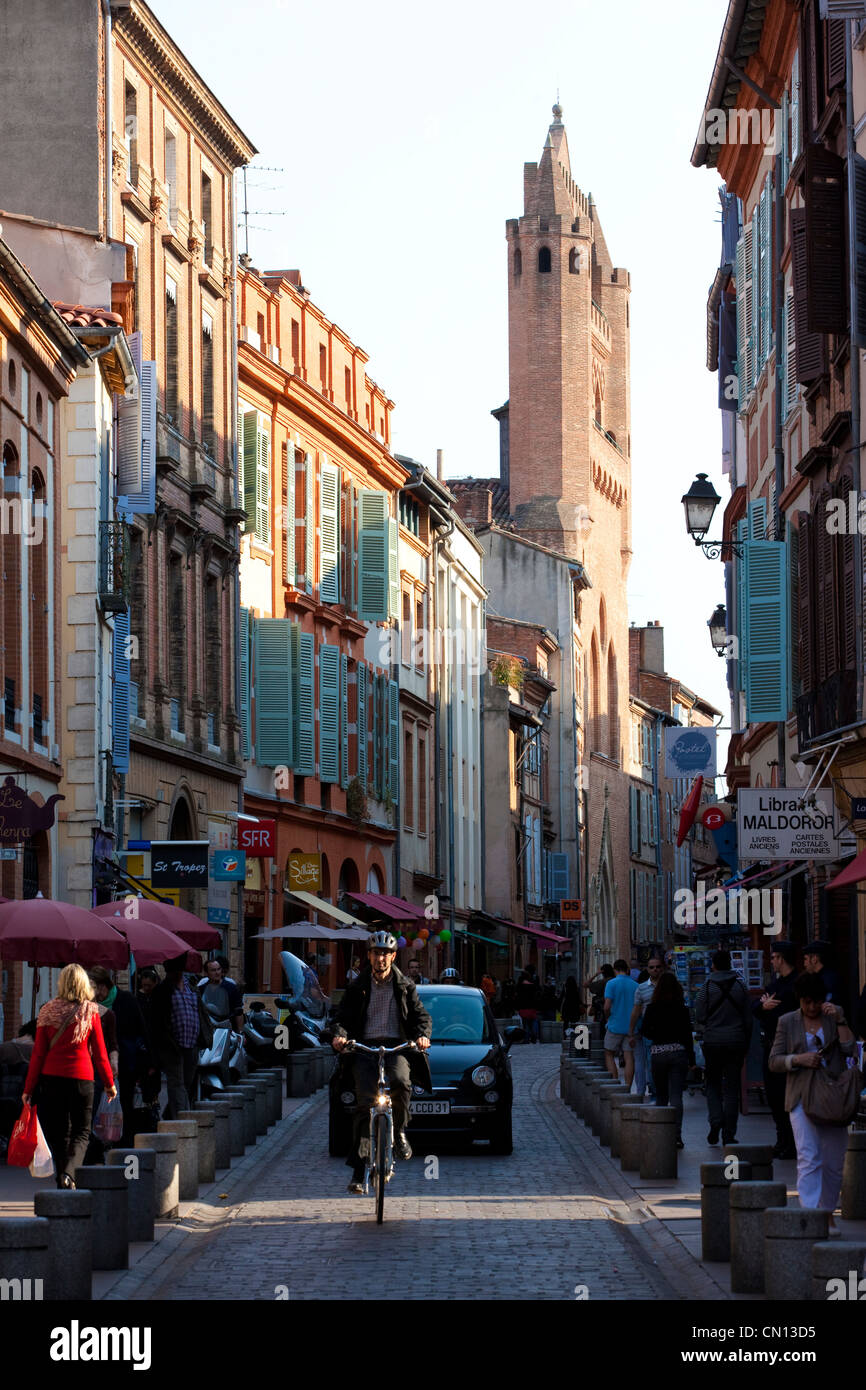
(69,1043)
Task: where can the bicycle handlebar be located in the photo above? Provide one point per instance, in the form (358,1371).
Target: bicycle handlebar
(352,1046)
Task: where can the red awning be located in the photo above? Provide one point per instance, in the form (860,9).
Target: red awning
(395,908)
(854,872)
(542,934)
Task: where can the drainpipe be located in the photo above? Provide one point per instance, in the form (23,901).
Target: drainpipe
(781,389)
(106,11)
(482,682)
(854,356)
(236,582)
(449,726)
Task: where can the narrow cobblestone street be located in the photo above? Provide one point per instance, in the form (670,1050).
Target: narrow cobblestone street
(552,1217)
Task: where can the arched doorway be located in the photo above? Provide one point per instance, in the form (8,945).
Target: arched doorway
(374,880)
(181,827)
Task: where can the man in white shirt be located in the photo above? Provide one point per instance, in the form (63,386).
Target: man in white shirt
(642,1071)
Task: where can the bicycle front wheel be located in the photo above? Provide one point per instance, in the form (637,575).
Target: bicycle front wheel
(380,1147)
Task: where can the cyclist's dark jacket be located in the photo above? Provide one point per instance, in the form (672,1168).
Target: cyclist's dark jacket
(415,1021)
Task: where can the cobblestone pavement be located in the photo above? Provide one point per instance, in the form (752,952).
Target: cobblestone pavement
(554,1216)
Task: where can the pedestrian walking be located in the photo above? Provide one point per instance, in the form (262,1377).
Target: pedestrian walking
(818,960)
(639,1041)
(816,1035)
(547,1001)
(69,1046)
(722,1010)
(134,1057)
(618,1003)
(527,1004)
(180,1026)
(672,1050)
(594,989)
(488,988)
(778,999)
(571,1009)
(147,980)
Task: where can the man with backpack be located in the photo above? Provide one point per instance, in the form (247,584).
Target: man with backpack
(722,1009)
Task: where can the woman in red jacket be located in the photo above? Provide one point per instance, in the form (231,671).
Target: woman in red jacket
(69,1042)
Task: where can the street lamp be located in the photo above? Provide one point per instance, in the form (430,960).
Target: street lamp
(700,503)
(718,625)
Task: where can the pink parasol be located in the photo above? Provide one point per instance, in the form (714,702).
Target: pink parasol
(150,944)
(184,924)
(56,933)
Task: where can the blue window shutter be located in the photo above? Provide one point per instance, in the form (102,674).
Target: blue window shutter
(309,520)
(329,533)
(305,746)
(757,241)
(742,324)
(767,603)
(393,570)
(263,480)
(766,229)
(742,609)
(757,519)
(362,725)
(329,713)
(793,615)
(120,694)
(246,623)
(559,882)
(375,781)
(373,555)
(274,706)
(289,513)
(129,480)
(250,456)
(143,501)
(344,720)
(394,740)
(351,579)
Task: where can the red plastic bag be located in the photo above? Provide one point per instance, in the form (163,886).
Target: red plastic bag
(22,1144)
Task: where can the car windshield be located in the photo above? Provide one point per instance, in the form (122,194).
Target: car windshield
(457,1018)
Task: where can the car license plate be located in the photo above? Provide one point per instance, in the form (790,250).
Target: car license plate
(431,1107)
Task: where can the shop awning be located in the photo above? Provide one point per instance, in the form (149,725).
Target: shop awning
(503,945)
(395,908)
(855,872)
(540,933)
(319,905)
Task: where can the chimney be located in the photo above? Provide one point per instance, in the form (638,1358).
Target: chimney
(439,467)
(652,648)
(475,506)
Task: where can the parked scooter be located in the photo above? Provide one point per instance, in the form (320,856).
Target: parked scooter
(261,1036)
(305,1009)
(224,1062)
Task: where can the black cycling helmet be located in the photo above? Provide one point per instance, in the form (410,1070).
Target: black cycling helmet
(383,940)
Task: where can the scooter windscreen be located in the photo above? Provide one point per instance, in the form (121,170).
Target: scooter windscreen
(304,989)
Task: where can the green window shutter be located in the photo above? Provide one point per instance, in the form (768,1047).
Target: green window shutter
(120,693)
(289,513)
(329,533)
(246,624)
(742,615)
(250,441)
(756,515)
(344,720)
(632,819)
(263,481)
(631,884)
(349,529)
(766,266)
(305,746)
(766,571)
(382,699)
(558,873)
(274,706)
(329,713)
(394,740)
(309,519)
(793,614)
(362,726)
(373,562)
(742,334)
(393,571)
(757,241)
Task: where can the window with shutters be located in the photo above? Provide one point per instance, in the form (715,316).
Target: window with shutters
(766,603)
(329,713)
(344,720)
(859,311)
(826,302)
(408,776)
(796,140)
(208,422)
(406,629)
(38,612)
(207,216)
(288,512)
(170,400)
(247,628)
(422,782)
(304,720)
(213,629)
(812,68)
(362,680)
(810,347)
(137,600)
(274,704)
(130,131)
(374,535)
(120,694)
(329,532)
(419,643)
(171,177)
(256,444)
(176,625)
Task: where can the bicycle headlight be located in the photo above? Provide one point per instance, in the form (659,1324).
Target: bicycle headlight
(381,1100)
(484,1076)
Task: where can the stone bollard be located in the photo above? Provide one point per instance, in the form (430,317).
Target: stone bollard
(616,1104)
(70,1243)
(237,1125)
(630,1136)
(261,1104)
(658,1142)
(165,1173)
(595,1100)
(206,1147)
(186,1133)
(299,1074)
(606,1093)
(587,1073)
(109,1214)
(760,1156)
(789,1234)
(854,1177)
(577,1075)
(222,1144)
(248,1091)
(24,1256)
(141,1182)
(748,1202)
(841,1261)
(274,1077)
(716,1178)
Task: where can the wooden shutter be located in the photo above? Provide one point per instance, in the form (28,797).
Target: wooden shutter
(129,479)
(558,872)
(767,602)
(305,745)
(747,376)
(825,241)
(329,713)
(263,480)
(250,447)
(362,725)
(796,140)
(632,820)
(827,638)
(373,555)
(274,705)
(393,570)
(755,320)
(785,143)
(858,312)
(811,66)
(792,390)
(143,501)
(344,720)
(120,693)
(329,532)
(793,536)
(766,259)
(742,609)
(807,662)
(756,514)
(811,347)
(744,279)
(289,513)
(309,520)
(245,684)
(846,578)
(836,47)
(394,739)
(384,744)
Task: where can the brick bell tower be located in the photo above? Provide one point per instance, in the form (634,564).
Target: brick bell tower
(569,479)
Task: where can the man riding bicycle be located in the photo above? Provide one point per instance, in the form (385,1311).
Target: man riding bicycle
(382,1006)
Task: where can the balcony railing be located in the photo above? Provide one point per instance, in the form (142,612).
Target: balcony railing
(830,706)
(113,566)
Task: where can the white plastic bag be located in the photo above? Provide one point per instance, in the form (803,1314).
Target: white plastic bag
(42,1165)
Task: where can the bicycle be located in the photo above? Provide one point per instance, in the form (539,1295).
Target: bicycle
(380,1158)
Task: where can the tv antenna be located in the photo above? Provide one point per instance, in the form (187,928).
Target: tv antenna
(260,212)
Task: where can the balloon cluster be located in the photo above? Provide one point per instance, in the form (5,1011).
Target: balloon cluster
(433,934)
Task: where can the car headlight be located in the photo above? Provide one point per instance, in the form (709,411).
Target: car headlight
(491,1097)
(347,1098)
(484,1076)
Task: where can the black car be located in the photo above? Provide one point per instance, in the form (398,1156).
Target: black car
(471,1071)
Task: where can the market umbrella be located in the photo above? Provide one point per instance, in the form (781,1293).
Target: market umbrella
(55,933)
(174,919)
(150,944)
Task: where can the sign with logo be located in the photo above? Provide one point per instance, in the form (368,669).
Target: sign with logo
(305,872)
(690,752)
(725,840)
(714,818)
(229,866)
(258,838)
(774,823)
(179,863)
(858,808)
(219,893)
(20,815)
(8,854)
(570,910)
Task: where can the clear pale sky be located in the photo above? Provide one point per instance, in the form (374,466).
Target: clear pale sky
(402,131)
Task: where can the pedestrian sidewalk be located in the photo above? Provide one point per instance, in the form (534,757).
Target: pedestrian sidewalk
(676,1202)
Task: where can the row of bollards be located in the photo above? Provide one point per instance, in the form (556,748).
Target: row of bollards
(53,1254)
(643,1137)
